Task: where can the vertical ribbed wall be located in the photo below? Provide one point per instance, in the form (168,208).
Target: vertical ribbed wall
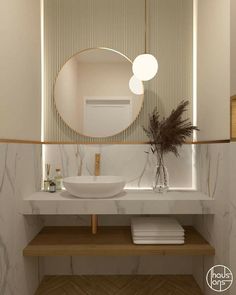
(73,25)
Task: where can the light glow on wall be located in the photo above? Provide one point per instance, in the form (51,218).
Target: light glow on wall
(194,103)
(42,86)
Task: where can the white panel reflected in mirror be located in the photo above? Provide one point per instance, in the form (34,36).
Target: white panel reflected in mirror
(92,93)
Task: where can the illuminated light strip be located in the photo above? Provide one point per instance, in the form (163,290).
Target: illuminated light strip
(42,86)
(194,103)
(151,189)
(195,33)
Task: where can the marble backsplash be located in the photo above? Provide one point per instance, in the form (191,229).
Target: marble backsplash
(217,177)
(209,165)
(134,162)
(20,175)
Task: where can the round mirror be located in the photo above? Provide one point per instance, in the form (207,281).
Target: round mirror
(92,93)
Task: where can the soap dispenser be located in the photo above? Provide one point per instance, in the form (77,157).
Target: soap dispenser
(46,184)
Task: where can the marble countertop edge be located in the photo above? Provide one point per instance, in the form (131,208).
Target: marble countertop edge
(128,202)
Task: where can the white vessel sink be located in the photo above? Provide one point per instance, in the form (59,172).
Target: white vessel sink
(94,186)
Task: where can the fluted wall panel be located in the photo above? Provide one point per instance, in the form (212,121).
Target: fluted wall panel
(73,25)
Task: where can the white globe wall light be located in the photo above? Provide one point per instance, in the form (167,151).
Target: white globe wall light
(145,67)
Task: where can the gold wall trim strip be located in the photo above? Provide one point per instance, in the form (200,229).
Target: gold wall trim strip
(232,117)
(107,143)
(20,141)
(137,142)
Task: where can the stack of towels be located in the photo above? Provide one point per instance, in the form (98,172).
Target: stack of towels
(156,230)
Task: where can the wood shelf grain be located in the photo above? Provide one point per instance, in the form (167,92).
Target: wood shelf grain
(109,241)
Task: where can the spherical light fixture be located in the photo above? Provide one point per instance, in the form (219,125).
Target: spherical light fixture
(145,67)
(136,86)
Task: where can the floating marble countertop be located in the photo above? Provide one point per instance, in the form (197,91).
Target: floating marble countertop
(128,202)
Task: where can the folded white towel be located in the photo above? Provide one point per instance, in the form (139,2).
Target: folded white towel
(157,234)
(161,238)
(157,230)
(155,225)
(158,242)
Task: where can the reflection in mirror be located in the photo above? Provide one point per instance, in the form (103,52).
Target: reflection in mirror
(92,93)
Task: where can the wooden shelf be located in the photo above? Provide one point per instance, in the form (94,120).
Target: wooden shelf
(109,241)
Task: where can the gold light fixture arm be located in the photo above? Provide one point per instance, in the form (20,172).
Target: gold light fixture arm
(146,16)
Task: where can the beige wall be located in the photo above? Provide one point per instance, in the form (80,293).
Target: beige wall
(20,69)
(71,26)
(20,61)
(213,75)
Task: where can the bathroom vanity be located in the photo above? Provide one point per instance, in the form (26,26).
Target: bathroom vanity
(114,241)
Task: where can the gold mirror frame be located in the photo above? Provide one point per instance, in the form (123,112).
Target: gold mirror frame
(54,100)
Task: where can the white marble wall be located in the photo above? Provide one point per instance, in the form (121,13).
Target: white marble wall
(215,174)
(217,177)
(133,163)
(130,161)
(232,214)
(20,175)
(116,265)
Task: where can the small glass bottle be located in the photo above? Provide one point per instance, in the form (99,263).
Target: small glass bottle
(58,179)
(52,187)
(46,185)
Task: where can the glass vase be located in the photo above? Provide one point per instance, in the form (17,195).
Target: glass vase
(161,178)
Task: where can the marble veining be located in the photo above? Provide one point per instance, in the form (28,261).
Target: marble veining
(20,173)
(215,178)
(4,266)
(217,175)
(127,202)
(134,162)
(207,166)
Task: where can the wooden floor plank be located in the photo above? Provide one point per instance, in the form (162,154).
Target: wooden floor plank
(109,241)
(109,285)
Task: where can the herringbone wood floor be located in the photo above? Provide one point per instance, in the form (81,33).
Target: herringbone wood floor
(119,285)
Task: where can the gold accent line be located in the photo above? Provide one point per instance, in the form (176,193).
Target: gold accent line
(107,143)
(54,99)
(145,26)
(21,141)
(232,98)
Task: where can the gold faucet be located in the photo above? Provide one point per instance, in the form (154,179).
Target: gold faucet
(97,164)
(94,217)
